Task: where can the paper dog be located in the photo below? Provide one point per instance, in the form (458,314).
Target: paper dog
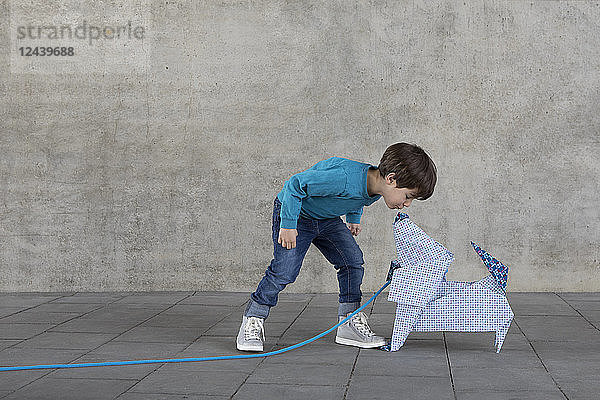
(427,302)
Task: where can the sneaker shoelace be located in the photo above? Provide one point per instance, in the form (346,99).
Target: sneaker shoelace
(359,321)
(254,329)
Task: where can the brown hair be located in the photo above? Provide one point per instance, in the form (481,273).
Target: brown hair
(412,168)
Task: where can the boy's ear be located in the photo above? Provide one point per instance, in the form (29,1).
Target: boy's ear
(389,179)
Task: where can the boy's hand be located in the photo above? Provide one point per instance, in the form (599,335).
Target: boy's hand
(287,238)
(354,228)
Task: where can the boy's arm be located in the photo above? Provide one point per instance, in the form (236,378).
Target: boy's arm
(307,183)
(354,216)
(353,221)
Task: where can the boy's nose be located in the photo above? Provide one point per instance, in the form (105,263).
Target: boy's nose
(407,203)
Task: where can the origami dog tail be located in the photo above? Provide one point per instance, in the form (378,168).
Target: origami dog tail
(498,270)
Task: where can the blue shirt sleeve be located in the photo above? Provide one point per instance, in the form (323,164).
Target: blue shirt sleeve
(312,182)
(354,216)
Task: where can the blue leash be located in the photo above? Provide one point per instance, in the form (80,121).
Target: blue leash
(173,360)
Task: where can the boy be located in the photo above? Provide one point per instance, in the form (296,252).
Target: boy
(308,210)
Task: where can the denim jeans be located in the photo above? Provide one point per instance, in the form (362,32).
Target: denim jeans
(333,238)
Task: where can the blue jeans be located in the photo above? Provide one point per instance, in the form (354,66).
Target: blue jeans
(333,238)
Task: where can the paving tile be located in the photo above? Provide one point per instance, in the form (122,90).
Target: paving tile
(567,351)
(231,327)
(592,316)
(592,296)
(121,351)
(156,334)
(545,309)
(330,315)
(220,299)
(557,328)
(384,307)
(215,346)
(314,323)
(422,348)
(88,298)
(163,396)
(93,326)
(574,369)
(22,331)
(66,340)
(34,316)
(320,353)
(325,300)
(123,312)
(498,379)
(201,319)
(8,343)
(80,308)
(135,372)
(253,391)
(510,395)
(296,374)
(507,358)
(517,299)
(382,324)
(297,335)
(13,380)
(19,356)
(67,389)
(154,298)
(581,305)
(295,297)
(484,341)
(286,308)
(198,322)
(309,312)
(118,351)
(407,388)
(425,335)
(179,382)
(397,364)
(418,370)
(580,389)
(5,311)
(24,301)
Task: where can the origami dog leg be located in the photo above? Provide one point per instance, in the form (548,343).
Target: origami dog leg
(412,287)
(406,318)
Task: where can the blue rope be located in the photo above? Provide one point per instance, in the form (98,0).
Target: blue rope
(173,360)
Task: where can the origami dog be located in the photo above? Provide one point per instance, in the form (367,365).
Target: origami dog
(427,302)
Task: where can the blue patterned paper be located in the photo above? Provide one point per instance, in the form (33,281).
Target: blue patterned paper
(428,302)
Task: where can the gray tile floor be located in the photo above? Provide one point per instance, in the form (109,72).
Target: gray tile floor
(552,350)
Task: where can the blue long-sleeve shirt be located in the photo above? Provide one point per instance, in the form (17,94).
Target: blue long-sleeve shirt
(330,188)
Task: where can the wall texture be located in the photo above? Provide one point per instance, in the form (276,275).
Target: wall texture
(163,178)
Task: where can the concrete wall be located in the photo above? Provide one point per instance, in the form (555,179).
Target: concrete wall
(160,174)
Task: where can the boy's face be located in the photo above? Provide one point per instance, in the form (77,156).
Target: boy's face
(397,198)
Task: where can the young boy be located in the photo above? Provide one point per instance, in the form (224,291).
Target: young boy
(308,210)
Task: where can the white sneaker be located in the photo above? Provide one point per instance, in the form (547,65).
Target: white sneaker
(251,335)
(356,332)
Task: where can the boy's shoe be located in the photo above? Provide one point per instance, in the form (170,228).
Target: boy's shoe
(356,332)
(251,335)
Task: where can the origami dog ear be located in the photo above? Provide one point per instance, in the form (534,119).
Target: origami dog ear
(498,270)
